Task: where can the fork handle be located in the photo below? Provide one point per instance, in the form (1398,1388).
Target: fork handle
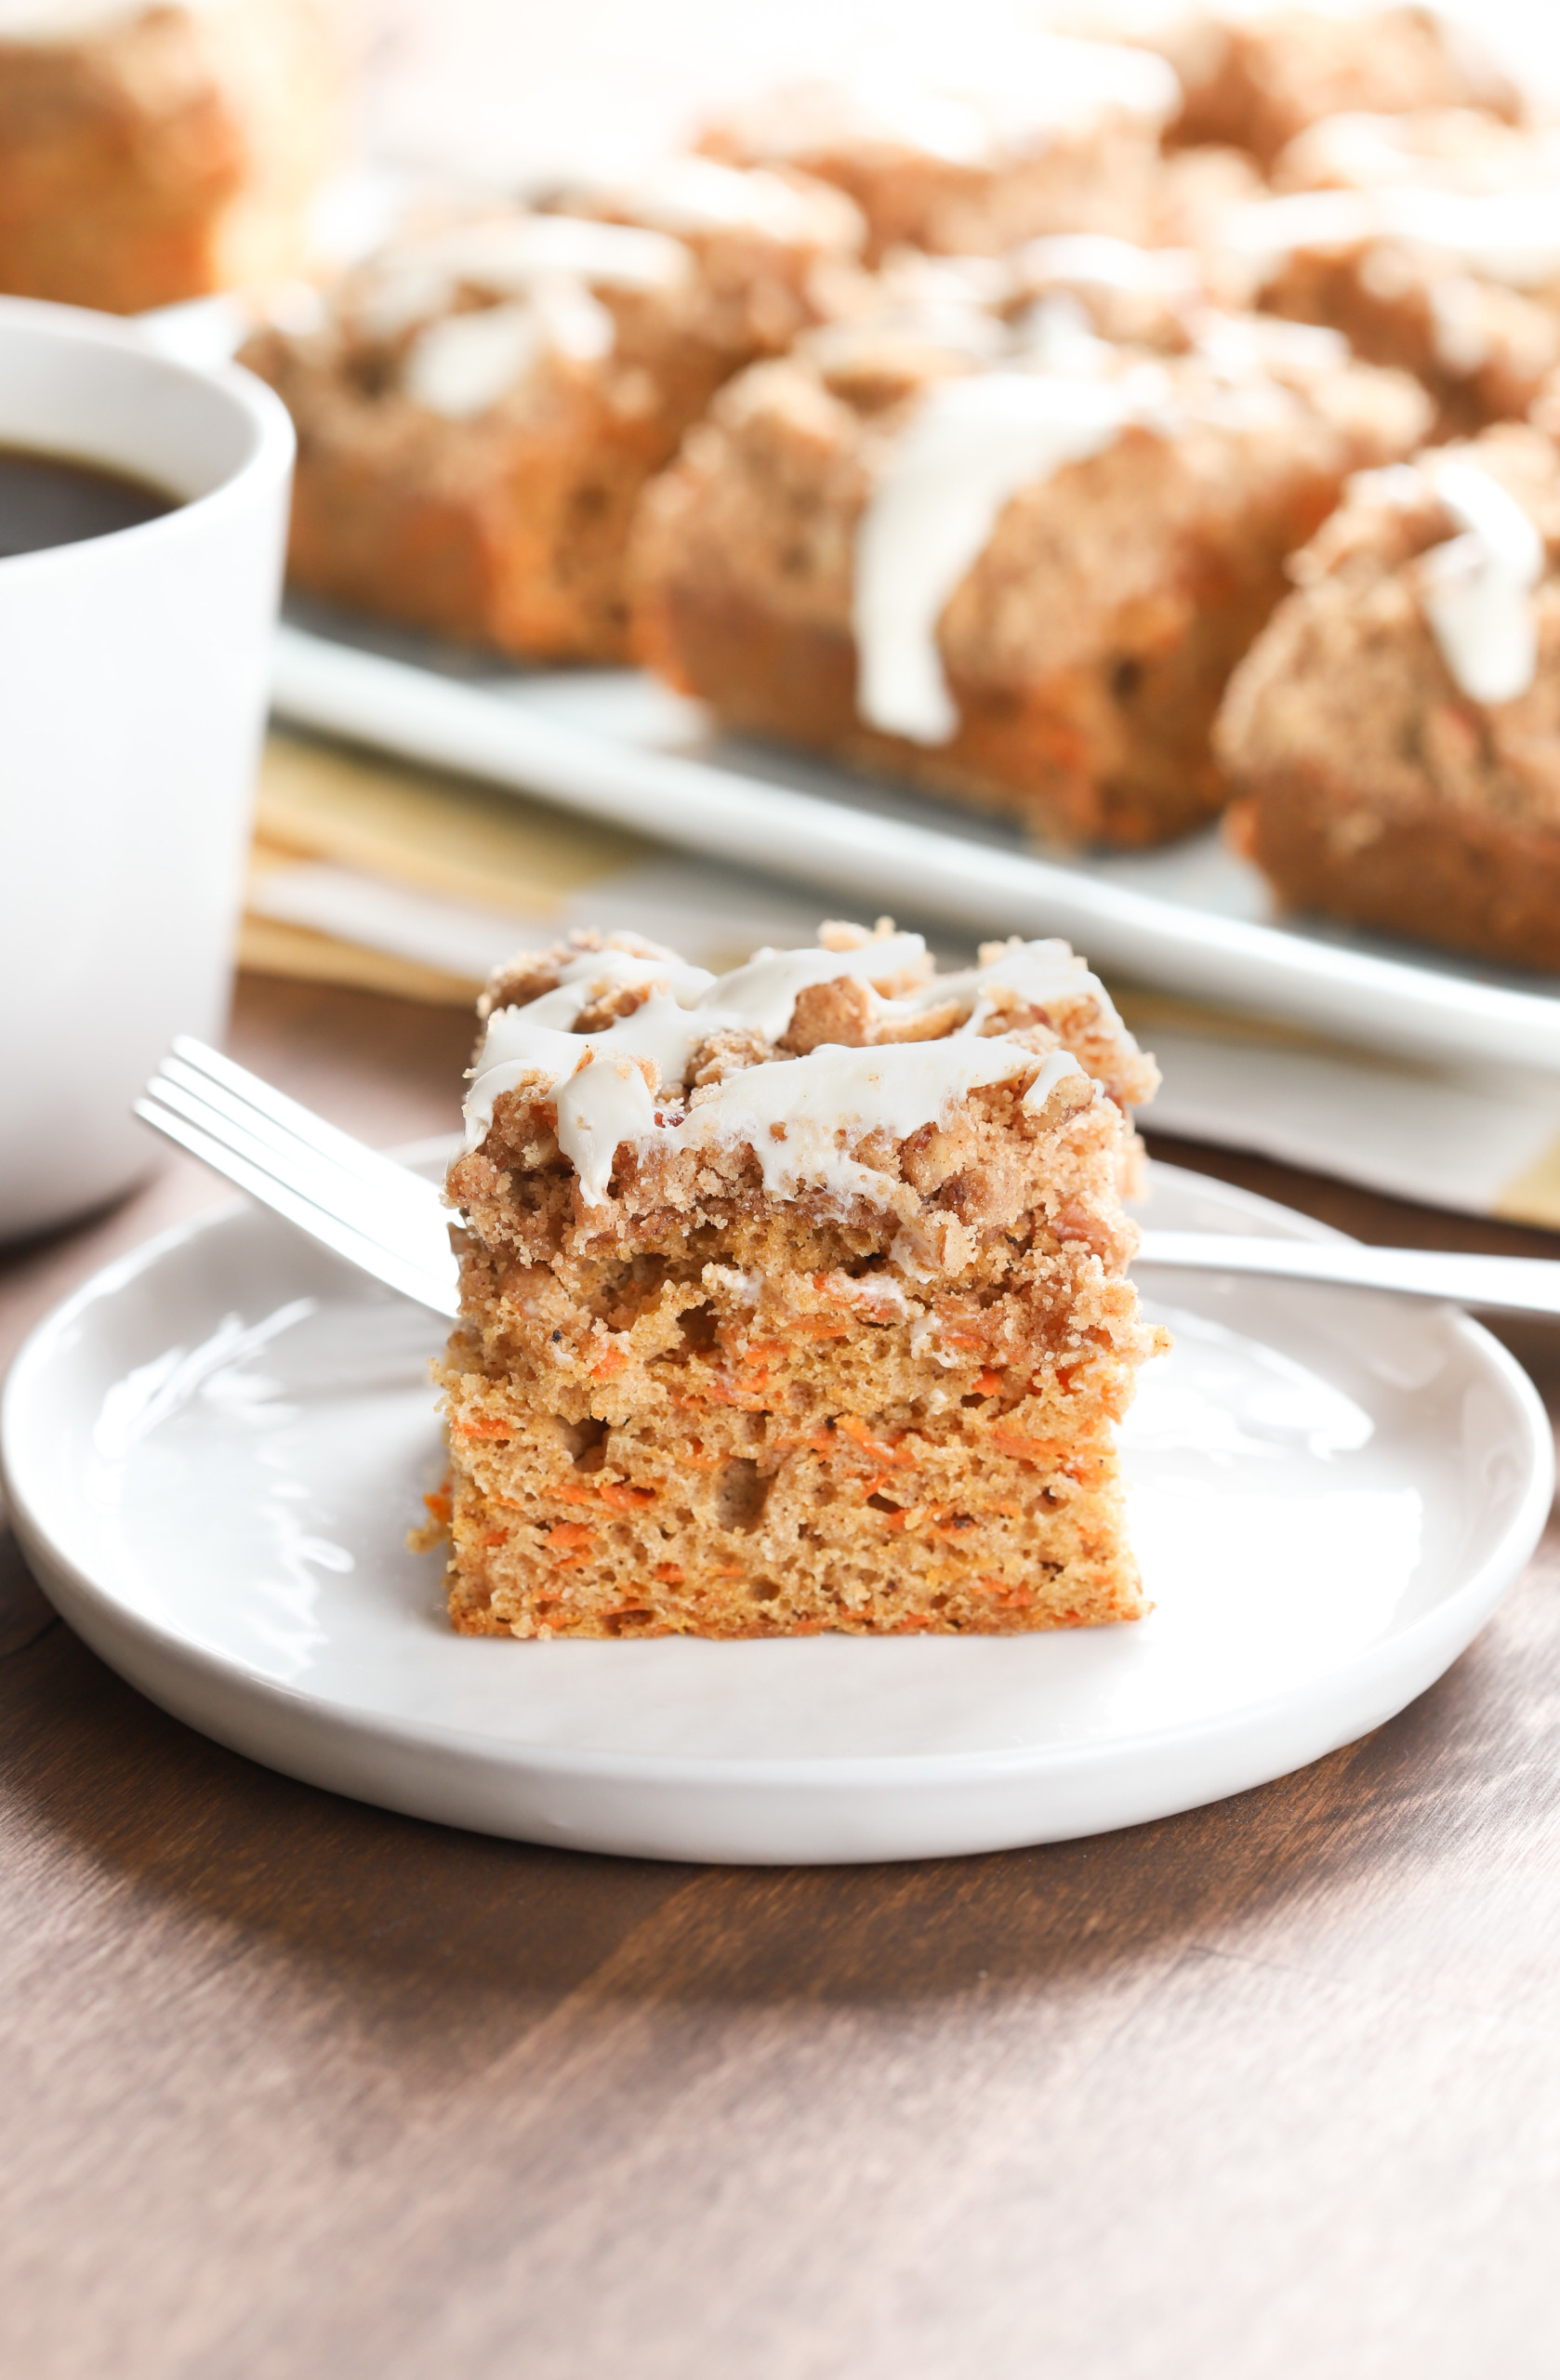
(1499,1284)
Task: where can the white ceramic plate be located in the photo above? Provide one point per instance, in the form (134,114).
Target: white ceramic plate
(214,1450)
(1192,918)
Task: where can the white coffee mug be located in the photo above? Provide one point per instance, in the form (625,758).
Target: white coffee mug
(133,680)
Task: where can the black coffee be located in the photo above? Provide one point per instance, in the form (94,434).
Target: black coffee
(54,500)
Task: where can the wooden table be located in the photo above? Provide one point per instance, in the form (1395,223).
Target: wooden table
(290,2088)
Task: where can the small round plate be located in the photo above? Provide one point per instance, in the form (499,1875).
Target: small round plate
(213,1453)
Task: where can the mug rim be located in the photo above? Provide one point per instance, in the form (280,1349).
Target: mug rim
(272,442)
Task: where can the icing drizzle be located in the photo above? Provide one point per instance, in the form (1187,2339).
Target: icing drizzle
(1477,589)
(972,445)
(625,1082)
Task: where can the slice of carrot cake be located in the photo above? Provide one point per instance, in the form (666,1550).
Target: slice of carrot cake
(153,153)
(1458,287)
(1015,561)
(1036,132)
(1393,734)
(1257,81)
(482,403)
(796,1299)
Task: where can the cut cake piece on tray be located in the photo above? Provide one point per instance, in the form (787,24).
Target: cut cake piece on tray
(1393,735)
(153,154)
(478,406)
(1257,80)
(1010,559)
(971,151)
(794,1300)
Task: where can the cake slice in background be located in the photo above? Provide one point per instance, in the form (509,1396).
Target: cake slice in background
(1010,559)
(1431,240)
(149,155)
(1009,139)
(794,1299)
(481,404)
(1256,81)
(1394,733)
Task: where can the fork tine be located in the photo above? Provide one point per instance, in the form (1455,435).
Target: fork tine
(396,1269)
(420,1240)
(406,1215)
(228,1085)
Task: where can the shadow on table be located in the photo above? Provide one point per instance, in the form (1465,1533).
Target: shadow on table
(465,1941)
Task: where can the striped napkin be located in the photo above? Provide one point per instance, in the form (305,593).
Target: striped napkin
(398,880)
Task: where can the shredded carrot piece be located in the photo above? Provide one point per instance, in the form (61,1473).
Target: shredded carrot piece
(570,1533)
(693,1453)
(1000,1590)
(486,1425)
(615,1360)
(962,1337)
(669,1573)
(620,1498)
(496,1537)
(987,1383)
(812,1325)
(880,1450)
(1027,1449)
(571,1491)
(441,1506)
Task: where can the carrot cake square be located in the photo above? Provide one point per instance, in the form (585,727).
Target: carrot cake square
(1255,82)
(1035,134)
(1011,559)
(152,154)
(796,1299)
(481,404)
(1395,733)
(1431,241)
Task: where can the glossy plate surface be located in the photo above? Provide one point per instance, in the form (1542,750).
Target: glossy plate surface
(214,1450)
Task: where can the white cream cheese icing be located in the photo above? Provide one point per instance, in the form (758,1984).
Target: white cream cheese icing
(972,445)
(509,254)
(1010,95)
(690,195)
(1095,258)
(1513,237)
(1477,589)
(514,257)
(463,364)
(625,1083)
(1457,326)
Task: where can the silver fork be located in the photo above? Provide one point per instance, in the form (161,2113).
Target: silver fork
(390,1222)
(377,1214)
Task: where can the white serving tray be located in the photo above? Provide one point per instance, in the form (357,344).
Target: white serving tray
(1191,919)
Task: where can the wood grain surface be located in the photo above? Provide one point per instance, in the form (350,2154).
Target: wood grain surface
(290,2087)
